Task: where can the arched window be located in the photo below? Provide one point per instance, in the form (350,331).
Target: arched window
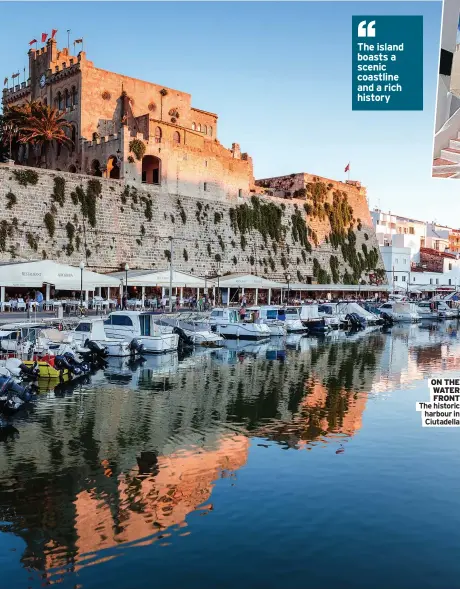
(113,169)
(151,170)
(176,137)
(210,131)
(205,129)
(199,127)
(60,101)
(158,135)
(96,168)
(74,96)
(193,126)
(68,102)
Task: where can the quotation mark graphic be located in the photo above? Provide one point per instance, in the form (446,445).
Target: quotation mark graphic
(366,31)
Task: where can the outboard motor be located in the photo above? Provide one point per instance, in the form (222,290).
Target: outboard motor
(386,319)
(356,322)
(68,362)
(185,341)
(136,347)
(95,349)
(12,394)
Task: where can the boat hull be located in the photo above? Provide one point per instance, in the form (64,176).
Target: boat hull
(166,342)
(243,331)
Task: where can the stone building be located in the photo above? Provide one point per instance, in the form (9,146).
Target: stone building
(127,128)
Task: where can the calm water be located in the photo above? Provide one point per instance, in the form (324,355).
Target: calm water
(258,468)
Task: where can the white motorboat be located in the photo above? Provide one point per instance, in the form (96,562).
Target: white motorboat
(19,337)
(333,315)
(400,311)
(435,310)
(193,327)
(291,318)
(136,325)
(268,315)
(92,329)
(311,318)
(349,308)
(225,322)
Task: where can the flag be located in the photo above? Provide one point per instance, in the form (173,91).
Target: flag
(32,42)
(5,81)
(53,33)
(44,37)
(79,40)
(347,167)
(15,75)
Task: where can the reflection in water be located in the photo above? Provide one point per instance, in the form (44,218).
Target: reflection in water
(126,458)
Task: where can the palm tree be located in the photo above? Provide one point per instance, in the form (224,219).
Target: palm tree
(39,125)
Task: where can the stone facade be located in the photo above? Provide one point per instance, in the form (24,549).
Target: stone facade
(108,111)
(70,217)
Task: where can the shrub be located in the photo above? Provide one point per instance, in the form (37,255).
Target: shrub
(185,254)
(59,190)
(50,224)
(25,177)
(11,200)
(138,148)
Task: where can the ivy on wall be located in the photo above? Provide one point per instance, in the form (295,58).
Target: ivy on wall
(59,190)
(26,177)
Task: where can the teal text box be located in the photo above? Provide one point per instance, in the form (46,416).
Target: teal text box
(392,33)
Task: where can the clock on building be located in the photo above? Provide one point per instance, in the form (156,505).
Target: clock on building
(42,81)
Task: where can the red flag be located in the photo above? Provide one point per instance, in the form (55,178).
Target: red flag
(53,33)
(5,81)
(32,42)
(15,75)
(347,167)
(44,37)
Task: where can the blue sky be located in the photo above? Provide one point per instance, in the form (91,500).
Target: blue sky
(277,74)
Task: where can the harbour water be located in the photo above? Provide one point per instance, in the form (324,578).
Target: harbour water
(261,466)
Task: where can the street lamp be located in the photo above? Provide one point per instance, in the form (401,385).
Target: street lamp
(82,267)
(288,280)
(126,280)
(219,274)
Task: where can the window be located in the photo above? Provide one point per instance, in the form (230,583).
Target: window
(176,137)
(404,279)
(74,96)
(158,135)
(193,126)
(450,266)
(431,281)
(122,320)
(74,138)
(86,327)
(199,127)
(395,278)
(240,192)
(396,260)
(437,280)
(217,314)
(411,230)
(210,131)
(405,229)
(205,129)
(60,101)
(205,186)
(413,279)
(450,281)
(68,99)
(422,242)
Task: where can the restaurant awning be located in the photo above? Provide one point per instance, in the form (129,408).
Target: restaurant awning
(247,281)
(162,278)
(61,276)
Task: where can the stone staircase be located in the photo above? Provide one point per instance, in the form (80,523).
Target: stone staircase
(449,157)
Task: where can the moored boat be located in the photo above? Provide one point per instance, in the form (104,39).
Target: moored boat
(136,325)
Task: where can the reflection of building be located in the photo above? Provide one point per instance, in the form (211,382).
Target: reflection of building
(108,111)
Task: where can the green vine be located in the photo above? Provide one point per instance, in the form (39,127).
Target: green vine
(59,190)
(32,241)
(11,200)
(50,224)
(138,147)
(25,177)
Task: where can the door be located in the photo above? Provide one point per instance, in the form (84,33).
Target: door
(145,325)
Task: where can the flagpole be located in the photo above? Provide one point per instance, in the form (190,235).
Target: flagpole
(349,171)
(24,75)
(68,40)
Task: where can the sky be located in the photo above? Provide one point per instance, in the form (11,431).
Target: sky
(278,74)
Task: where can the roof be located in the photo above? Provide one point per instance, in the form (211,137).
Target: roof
(161,278)
(247,281)
(62,276)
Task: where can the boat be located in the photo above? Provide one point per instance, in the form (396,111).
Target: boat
(291,318)
(268,315)
(92,329)
(435,310)
(191,324)
(311,318)
(140,326)
(224,321)
(400,311)
(345,308)
(334,315)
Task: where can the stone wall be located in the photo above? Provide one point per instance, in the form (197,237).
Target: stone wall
(70,217)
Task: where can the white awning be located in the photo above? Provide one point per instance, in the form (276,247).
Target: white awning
(61,276)
(162,278)
(247,281)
